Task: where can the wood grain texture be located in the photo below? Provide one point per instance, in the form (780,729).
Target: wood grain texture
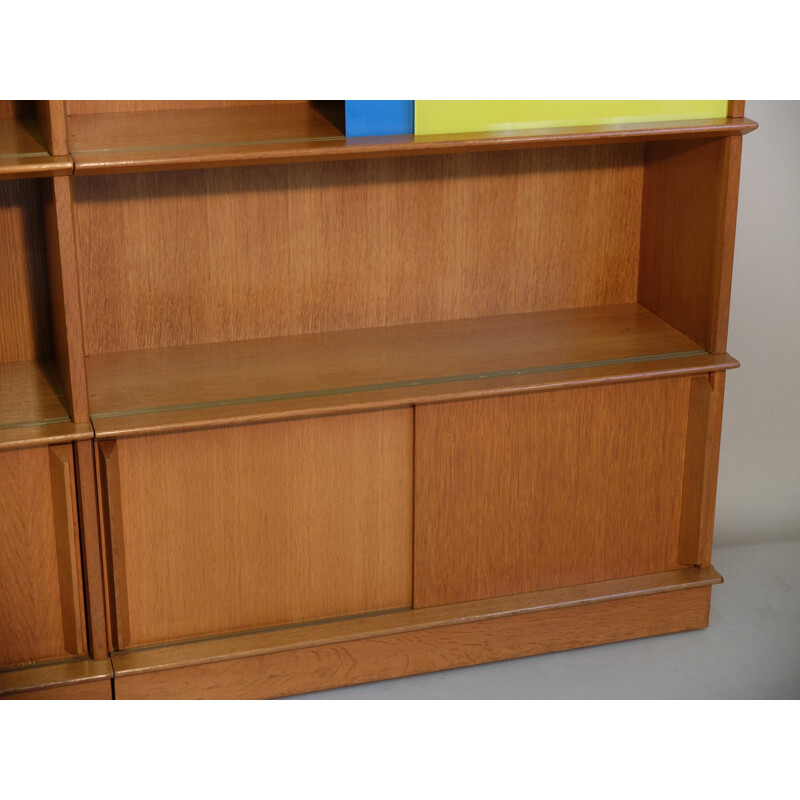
(170,388)
(24,153)
(91,549)
(68,680)
(187,138)
(688,226)
(51,117)
(24,307)
(15,109)
(363,660)
(115,562)
(248,527)
(324,247)
(702,462)
(65,518)
(76,107)
(32,407)
(245,645)
(545,490)
(64,294)
(31,624)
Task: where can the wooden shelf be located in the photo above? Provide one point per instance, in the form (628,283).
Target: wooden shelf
(23,153)
(209,385)
(295,132)
(32,407)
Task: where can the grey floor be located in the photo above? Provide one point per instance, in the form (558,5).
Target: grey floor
(751,650)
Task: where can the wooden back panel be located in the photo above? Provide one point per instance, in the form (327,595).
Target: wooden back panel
(75,107)
(24,308)
(230,254)
(15,109)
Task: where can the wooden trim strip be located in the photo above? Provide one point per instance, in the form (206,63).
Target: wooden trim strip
(700,476)
(384,624)
(68,563)
(51,115)
(92,158)
(48,676)
(115,549)
(411,652)
(92,551)
(735,109)
(45,432)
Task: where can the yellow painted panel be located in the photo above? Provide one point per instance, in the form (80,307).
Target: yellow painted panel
(464,116)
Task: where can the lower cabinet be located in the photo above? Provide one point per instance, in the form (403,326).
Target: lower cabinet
(41,586)
(225,530)
(539,491)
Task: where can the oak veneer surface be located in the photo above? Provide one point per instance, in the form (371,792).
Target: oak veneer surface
(309,669)
(147,135)
(32,407)
(76,107)
(224,383)
(89,690)
(688,226)
(78,679)
(264,525)
(23,152)
(184,258)
(536,491)
(24,306)
(31,622)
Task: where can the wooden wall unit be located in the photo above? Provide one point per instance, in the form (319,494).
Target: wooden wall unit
(360,408)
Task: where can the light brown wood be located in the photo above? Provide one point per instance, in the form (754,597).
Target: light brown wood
(324,247)
(24,153)
(65,517)
(264,525)
(76,107)
(92,552)
(31,624)
(702,461)
(370,659)
(688,225)
(115,569)
(32,407)
(51,117)
(64,294)
(302,131)
(246,645)
(75,679)
(209,385)
(24,308)
(546,490)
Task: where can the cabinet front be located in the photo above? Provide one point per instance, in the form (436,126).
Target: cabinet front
(41,596)
(544,490)
(215,531)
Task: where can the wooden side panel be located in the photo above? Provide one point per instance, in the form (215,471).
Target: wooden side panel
(317,247)
(32,624)
(689,206)
(516,494)
(64,294)
(361,661)
(702,462)
(52,119)
(248,527)
(24,307)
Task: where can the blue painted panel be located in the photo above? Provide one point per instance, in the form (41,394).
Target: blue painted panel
(378,117)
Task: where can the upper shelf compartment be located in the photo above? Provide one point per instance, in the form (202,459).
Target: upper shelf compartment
(23,152)
(115,141)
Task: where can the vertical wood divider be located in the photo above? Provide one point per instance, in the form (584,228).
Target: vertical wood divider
(51,116)
(64,293)
(115,549)
(702,463)
(736,108)
(68,563)
(92,550)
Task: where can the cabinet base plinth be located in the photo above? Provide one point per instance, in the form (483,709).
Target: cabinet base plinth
(335,654)
(70,680)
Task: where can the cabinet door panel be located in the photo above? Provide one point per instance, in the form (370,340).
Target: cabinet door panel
(538,491)
(40,581)
(247,527)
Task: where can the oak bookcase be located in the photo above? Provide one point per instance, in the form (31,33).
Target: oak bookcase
(282,411)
